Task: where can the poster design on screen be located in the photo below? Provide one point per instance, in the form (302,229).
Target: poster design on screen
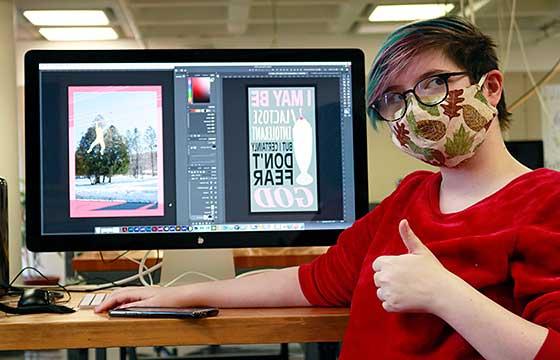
(282,149)
(115,151)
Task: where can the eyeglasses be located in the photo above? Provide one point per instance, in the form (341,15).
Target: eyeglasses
(431,91)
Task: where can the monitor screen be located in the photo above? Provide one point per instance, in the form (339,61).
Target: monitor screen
(528,152)
(182,149)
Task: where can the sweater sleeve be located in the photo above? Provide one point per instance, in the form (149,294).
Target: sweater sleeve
(330,279)
(536,275)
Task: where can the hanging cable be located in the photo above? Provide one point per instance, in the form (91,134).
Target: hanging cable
(535,87)
(140,269)
(274,24)
(546,78)
(472,16)
(510,34)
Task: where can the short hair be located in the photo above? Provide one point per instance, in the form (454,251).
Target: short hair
(458,39)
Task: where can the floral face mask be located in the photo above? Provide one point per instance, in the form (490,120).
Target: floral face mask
(448,133)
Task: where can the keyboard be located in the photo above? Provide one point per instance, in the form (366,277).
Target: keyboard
(91,300)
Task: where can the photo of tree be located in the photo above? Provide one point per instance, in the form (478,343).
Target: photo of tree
(116,159)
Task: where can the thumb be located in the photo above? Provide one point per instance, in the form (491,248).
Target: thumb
(410,240)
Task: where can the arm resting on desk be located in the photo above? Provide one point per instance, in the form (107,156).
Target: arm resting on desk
(269,289)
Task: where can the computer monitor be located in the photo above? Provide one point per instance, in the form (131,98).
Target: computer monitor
(528,152)
(182,149)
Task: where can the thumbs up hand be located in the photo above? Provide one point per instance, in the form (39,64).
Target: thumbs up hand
(411,241)
(414,282)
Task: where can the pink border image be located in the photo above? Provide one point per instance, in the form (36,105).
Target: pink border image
(93,208)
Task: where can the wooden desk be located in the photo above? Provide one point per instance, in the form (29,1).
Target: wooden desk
(85,329)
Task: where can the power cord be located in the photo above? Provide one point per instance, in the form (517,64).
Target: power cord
(140,269)
(121,282)
(113,259)
(143,271)
(190,273)
(142,266)
(11,287)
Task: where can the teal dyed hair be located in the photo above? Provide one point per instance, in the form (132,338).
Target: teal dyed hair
(459,40)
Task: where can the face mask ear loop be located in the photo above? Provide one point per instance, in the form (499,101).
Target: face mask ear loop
(481,81)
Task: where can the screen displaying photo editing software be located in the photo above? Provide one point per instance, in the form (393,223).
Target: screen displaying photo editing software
(195,147)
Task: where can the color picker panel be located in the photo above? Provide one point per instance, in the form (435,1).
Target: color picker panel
(199,90)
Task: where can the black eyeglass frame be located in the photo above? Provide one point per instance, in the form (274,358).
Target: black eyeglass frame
(444,76)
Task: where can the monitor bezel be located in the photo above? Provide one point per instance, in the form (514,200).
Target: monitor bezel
(35,241)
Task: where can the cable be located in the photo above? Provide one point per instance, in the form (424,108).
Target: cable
(114,259)
(529,73)
(141,268)
(10,285)
(514,27)
(107,285)
(510,34)
(546,78)
(472,16)
(274,24)
(120,282)
(117,283)
(86,279)
(190,273)
(501,40)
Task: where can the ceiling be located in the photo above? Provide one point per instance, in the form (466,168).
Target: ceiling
(216,23)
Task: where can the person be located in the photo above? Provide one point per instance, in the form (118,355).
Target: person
(463,263)
(99,139)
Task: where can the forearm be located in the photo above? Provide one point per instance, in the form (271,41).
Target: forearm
(492,330)
(269,289)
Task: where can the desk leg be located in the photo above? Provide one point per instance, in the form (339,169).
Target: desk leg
(101,354)
(129,352)
(321,351)
(77,354)
(284,352)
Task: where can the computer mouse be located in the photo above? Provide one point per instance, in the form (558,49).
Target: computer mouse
(34,297)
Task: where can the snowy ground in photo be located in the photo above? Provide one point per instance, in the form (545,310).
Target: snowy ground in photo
(122,188)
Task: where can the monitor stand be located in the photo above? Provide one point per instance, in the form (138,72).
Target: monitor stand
(217,263)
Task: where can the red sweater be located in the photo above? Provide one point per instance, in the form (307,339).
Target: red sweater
(507,246)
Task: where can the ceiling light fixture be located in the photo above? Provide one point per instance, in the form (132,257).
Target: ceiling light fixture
(409,12)
(66,17)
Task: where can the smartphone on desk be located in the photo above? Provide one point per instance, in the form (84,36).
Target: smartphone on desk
(164,312)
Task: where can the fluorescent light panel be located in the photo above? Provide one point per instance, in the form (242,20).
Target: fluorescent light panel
(78,33)
(409,12)
(66,17)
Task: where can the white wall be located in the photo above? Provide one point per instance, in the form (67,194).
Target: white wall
(8,126)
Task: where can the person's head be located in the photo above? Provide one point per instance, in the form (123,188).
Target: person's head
(437,84)
(449,42)
(99,119)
